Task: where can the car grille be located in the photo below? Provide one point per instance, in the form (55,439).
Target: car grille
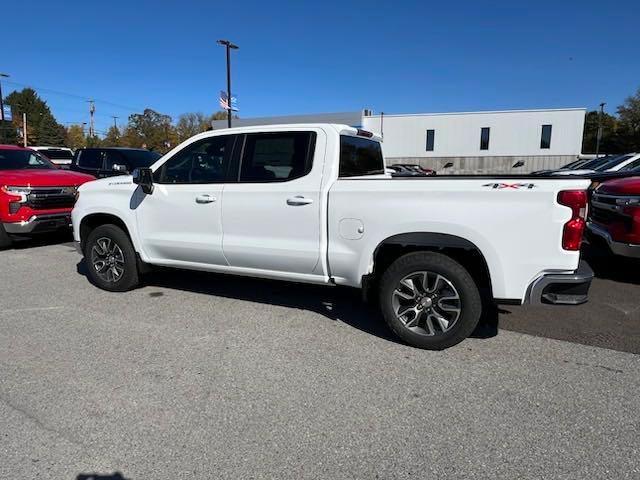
(604,210)
(51,197)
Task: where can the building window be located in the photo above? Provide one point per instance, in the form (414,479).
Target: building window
(484,138)
(545,139)
(430,138)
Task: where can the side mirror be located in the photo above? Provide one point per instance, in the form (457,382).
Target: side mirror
(144,178)
(119,168)
(448,165)
(518,164)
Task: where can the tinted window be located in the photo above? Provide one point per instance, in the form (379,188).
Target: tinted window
(113,157)
(277,157)
(55,154)
(545,139)
(205,161)
(91,159)
(360,156)
(430,138)
(22,159)
(484,138)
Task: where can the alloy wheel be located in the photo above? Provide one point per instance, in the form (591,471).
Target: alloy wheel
(107,259)
(426,303)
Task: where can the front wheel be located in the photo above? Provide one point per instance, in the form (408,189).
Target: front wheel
(111,259)
(429,300)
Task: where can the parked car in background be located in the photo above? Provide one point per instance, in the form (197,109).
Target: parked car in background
(416,168)
(60,156)
(310,203)
(35,195)
(614,216)
(614,163)
(401,171)
(110,161)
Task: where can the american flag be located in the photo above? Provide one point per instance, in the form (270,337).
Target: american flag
(224,102)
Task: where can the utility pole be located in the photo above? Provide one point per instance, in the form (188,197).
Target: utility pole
(115,125)
(2,75)
(24,128)
(599,135)
(229,46)
(92,109)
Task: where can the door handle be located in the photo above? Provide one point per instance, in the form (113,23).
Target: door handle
(299,200)
(205,198)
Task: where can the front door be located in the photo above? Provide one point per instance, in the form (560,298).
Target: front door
(271,216)
(180,222)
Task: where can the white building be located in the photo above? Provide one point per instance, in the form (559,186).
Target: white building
(482,141)
(467,142)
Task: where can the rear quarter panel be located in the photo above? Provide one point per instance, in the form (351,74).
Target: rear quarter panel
(517,229)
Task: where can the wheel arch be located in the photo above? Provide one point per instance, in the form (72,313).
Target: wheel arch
(94,220)
(459,249)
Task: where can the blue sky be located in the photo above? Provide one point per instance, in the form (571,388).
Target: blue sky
(305,57)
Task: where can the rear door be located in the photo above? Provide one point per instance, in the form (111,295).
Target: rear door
(271,216)
(181,221)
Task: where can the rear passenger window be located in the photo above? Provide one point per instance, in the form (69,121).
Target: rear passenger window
(360,156)
(91,159)
(277,157)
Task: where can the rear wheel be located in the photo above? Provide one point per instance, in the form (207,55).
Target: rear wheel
(429,300)
(111,259)
(5,239)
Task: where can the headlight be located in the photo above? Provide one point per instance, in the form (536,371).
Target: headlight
(13,190)
(18,193)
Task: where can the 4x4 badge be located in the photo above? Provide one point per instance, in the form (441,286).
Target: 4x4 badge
(515,186)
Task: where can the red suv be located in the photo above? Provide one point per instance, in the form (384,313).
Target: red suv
(615,215)
(35,195)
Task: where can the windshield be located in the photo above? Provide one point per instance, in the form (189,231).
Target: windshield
(140,158)
(23,159)
(612,163)
(57,154)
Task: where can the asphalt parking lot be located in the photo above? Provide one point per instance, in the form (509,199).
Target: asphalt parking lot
(206,376)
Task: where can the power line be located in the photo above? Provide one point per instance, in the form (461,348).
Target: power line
(79,97)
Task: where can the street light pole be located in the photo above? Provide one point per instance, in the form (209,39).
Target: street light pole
(228,46)
(599,134)
(2,75)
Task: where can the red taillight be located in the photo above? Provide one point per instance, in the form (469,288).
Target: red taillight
(576,200)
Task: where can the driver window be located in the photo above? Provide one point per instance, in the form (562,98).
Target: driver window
(205,161)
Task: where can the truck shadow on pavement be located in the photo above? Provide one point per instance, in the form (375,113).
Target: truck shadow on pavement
(342,304)
(96,476)
(610,267)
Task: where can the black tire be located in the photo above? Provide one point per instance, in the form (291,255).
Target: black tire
(123,254)
(5,239)
(458,286)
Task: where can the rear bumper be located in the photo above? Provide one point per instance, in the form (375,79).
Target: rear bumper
(39,224)
(618,248)
(561,288)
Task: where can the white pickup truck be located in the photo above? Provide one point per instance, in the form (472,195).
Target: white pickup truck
(311,203)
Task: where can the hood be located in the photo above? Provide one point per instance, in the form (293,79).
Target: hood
(620,186)
(43,178)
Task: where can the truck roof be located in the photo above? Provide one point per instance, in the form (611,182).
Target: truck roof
(340,128)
